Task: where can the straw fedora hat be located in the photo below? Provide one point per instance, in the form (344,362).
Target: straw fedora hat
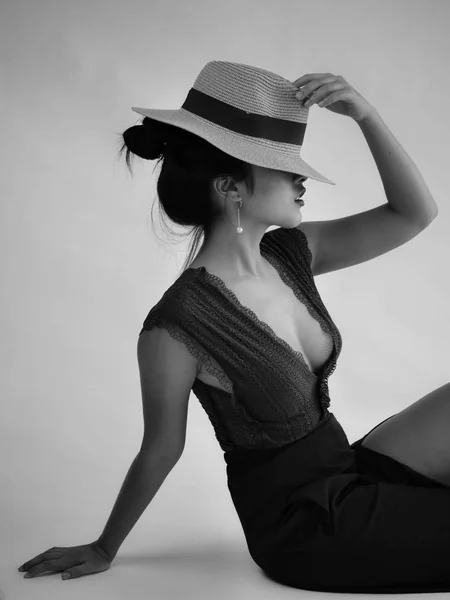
(247,112)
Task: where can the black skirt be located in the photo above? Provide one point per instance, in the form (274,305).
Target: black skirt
(323,515)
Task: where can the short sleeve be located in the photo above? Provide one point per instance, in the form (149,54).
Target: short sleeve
(157,319)
(181,333)
(290,247)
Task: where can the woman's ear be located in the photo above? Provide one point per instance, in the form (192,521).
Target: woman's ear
(225,185)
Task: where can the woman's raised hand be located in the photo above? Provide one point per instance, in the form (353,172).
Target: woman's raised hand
(73,561)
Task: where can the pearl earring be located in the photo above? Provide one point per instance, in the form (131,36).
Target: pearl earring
(239,228)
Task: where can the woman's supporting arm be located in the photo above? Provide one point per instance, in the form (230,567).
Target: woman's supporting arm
(144,478)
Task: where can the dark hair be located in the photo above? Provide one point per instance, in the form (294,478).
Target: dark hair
(189,165)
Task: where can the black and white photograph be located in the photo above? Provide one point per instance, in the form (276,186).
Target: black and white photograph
(225,246)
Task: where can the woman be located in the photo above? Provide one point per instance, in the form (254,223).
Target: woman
(245,328)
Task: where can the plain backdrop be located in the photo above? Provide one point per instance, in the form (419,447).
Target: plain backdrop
(82,266)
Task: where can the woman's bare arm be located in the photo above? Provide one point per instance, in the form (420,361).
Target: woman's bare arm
(144,478)
(167,373)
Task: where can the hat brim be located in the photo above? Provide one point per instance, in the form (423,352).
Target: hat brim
(256,151)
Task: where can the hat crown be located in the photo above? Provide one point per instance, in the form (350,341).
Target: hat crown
(251,89)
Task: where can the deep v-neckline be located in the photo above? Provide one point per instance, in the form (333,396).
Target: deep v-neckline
(286,279)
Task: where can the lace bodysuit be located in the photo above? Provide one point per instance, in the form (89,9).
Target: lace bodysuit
(271,396)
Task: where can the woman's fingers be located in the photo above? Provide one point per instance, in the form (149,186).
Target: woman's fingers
(51,553)
(53,566)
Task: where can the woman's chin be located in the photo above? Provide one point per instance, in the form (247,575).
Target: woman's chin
(299,212)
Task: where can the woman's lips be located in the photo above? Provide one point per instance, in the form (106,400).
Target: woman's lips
(300,202)
(301,193)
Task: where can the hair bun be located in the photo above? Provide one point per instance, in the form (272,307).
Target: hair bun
(145,140)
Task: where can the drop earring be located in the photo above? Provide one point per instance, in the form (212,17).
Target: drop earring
(239,228)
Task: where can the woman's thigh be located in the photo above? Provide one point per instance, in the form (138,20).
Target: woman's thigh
(418,436)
